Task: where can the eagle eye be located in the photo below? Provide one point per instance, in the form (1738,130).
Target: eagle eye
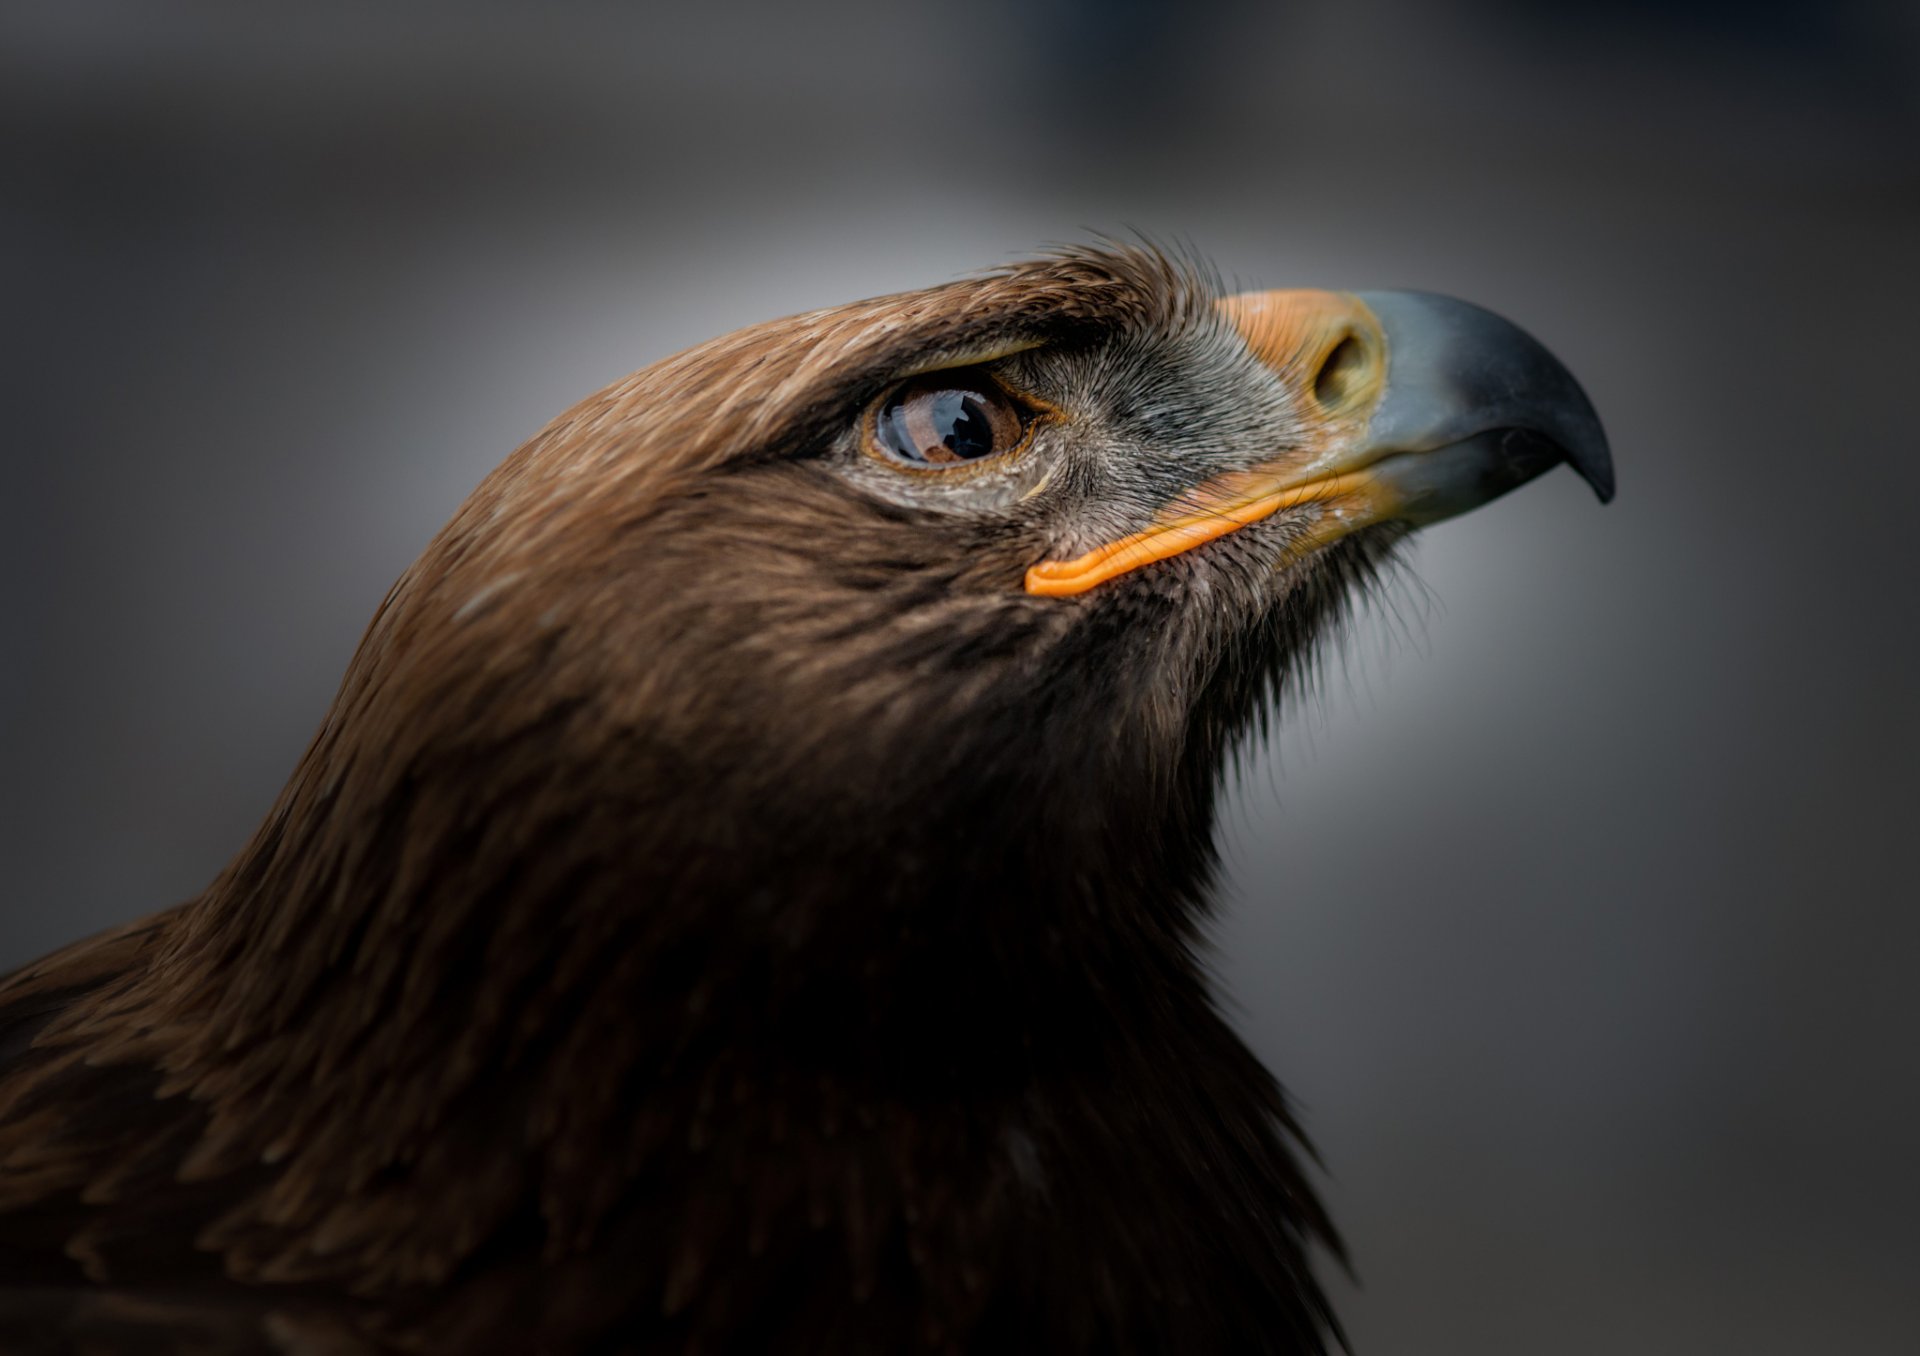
(946,419)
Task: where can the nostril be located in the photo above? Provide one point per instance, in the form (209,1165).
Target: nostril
(1340,372)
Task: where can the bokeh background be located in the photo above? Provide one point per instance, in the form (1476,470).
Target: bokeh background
(1577,910)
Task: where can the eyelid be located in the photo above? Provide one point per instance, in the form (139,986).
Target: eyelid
(981,357)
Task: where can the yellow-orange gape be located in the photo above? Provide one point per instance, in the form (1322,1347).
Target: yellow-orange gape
(748,892)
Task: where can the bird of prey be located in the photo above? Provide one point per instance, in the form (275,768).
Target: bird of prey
(746,894)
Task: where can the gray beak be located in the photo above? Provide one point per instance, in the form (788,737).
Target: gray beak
(1481,401)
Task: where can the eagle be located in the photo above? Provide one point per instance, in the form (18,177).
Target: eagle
(748,891)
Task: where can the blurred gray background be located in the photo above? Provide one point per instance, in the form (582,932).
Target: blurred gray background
(1577,909)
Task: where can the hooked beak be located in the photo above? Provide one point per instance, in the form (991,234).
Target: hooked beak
(1424,406)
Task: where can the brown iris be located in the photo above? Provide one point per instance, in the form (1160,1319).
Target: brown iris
(946,419)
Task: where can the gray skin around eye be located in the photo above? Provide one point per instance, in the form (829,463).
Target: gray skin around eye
(1151,421)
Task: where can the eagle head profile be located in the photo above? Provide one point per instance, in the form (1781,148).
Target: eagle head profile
(745,894)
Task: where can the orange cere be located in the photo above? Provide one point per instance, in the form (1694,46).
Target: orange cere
(1211,511)
(1290,331)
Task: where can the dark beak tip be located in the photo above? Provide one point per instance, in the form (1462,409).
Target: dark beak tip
(1593,463)
(1585,442)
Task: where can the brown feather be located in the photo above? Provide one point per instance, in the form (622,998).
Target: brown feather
(605,977)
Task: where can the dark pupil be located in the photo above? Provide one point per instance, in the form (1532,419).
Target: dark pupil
(961,426)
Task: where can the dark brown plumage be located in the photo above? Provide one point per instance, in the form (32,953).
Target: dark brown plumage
(726,909)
